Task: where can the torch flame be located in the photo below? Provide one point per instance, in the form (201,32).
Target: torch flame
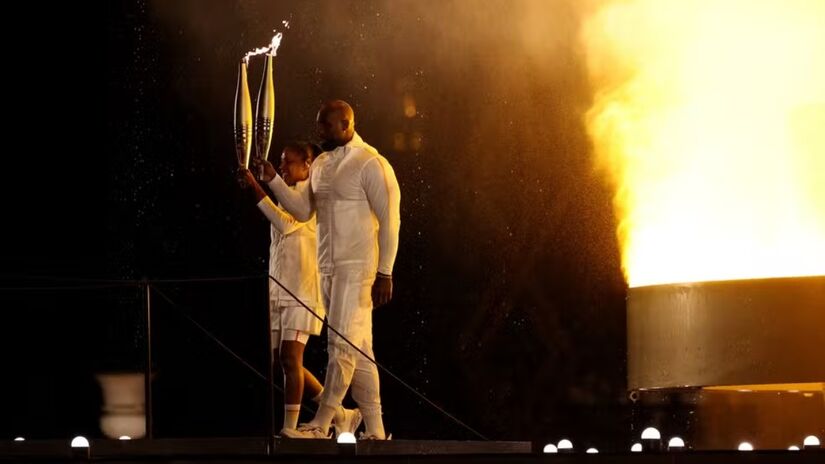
(272,48)
(709,120)
(275,43)
(255,52)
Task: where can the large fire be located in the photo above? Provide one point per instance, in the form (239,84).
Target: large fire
(709,117)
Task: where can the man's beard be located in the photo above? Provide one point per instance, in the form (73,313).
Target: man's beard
(329,145)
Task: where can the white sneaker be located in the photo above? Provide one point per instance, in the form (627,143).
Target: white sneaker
(306,431)
(364,436)
(350,423)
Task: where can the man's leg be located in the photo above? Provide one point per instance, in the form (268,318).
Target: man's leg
(366,391)
(344,315)
(340,366)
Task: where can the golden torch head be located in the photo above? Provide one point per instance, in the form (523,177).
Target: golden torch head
(265,112)
(243,117)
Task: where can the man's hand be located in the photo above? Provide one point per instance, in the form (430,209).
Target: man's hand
(381,290)
(265,168)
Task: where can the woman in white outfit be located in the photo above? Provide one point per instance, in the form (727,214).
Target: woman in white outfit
(294,262)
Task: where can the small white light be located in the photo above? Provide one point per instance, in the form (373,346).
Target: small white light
(550,448)
(793,448)
(124,437)
(811,440)
(651,433)
(565,444)
(676,442)
(592,451)
(80,442)
(745,446)
(19,439)
(346,438)
(636,448)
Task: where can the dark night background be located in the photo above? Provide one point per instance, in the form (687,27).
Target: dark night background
(509,303)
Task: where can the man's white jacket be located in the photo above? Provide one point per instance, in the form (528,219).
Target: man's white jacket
(354,194)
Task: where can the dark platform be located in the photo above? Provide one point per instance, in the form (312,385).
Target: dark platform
(259,450)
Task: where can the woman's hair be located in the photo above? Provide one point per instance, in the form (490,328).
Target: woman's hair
(308,151)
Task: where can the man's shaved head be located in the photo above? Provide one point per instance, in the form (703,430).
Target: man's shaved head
(336,123)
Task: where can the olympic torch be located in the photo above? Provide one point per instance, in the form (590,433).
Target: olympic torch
(265,112)
(243,117)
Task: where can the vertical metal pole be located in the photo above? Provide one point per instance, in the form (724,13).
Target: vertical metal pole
(270,391)
(148,372)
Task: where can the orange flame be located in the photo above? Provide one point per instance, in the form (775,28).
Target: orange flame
(709,119)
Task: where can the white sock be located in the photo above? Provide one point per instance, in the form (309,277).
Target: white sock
(291,413)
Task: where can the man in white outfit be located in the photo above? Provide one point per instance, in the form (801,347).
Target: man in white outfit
(355,198)
(293,262)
